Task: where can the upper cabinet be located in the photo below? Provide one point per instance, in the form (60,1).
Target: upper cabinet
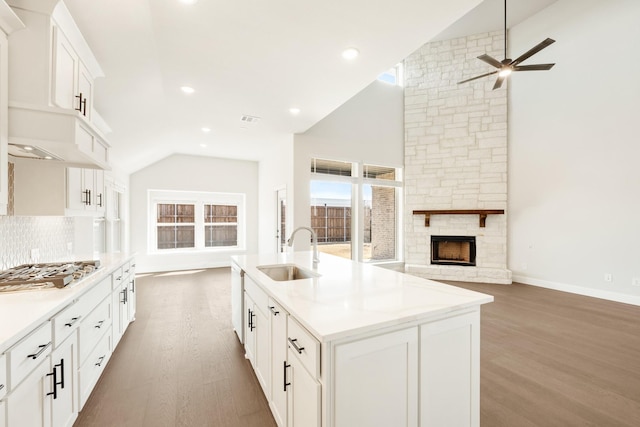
(52,72)
(9,22)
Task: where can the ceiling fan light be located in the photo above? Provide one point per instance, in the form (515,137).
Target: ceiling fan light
(505,72)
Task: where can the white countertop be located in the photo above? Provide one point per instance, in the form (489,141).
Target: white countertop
(350,297)
(21,312)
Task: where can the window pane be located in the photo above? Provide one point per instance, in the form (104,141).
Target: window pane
(331,167)
(185,213)
(379,172)
(176,236)
(166,212)
(331,216)
(172,213)
(379,223)
(220,235)
(220,213)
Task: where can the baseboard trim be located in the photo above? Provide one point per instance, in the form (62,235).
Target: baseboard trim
(589,292)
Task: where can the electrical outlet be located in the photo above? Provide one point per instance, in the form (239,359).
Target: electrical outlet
(35,254)
(608,277)
(635,281)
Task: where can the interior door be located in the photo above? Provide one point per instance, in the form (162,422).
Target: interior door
(281,220)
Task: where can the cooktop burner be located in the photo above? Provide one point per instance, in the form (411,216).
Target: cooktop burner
(43,276)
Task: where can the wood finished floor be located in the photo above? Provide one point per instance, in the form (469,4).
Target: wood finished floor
(548,359)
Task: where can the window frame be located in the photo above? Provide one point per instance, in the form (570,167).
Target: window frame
(199,199)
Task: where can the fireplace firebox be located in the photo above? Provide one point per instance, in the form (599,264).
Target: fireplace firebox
(453,250)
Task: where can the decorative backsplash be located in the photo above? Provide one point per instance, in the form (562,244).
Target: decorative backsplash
(19,235)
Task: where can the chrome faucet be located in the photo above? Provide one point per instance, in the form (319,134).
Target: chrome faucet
(314,240)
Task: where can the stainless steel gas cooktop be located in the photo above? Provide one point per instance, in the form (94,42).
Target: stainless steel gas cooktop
(43,276)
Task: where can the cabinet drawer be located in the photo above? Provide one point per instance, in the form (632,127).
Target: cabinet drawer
(66,322)
(258,296)
(116,278)
(26,355)
(93,327)
(305,346)
(3,377)
(92,368)
(95,296)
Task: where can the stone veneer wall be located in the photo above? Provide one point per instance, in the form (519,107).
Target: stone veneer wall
(20,234)
(456,155)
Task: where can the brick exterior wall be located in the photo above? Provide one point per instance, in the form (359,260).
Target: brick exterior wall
(383,223)
(456,155)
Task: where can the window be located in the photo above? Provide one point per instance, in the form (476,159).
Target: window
(363,227)
(192,221)
(392,76)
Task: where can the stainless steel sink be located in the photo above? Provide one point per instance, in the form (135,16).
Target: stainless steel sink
(285,272)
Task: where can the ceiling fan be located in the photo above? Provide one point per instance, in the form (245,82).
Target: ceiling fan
(507,66)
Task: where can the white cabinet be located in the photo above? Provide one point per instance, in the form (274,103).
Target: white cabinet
(450,371)
(376,380)
(72,86)
(29,404)
(257,334)
(85,190)
(278,402)
(3,414)
(64,366)
(303,393)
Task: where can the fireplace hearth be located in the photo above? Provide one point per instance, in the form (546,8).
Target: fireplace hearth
(453,250)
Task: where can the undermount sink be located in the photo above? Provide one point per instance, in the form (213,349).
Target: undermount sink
(286,272)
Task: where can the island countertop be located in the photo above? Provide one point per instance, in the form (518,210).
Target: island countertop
(21,312)
(351,297)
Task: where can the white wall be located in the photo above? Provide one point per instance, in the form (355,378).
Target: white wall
(574,181)
(275,172)
(191,173)
(367,128)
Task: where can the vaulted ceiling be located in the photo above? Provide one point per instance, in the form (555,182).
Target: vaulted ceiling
(251,57)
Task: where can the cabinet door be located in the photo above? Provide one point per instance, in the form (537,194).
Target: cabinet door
(278,363)
(124,308)
(2,414)
(116,306)
(29,404)
(376,380)
(99,190)
(76,194)
(304,397)
(450,371)
(64,404)
(65,72)
(88,185)
(249,330)
(85,89)
(263,352)
(131,301)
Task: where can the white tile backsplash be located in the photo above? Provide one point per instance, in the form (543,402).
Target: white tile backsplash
(19,235)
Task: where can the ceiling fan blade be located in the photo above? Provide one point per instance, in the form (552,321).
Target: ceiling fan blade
(536,67)
(478,77)
(490,60)
(537,48)
(499,82)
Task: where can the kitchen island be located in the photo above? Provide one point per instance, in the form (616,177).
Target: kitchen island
(355,344)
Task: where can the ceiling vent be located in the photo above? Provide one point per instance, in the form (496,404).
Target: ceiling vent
(246,121)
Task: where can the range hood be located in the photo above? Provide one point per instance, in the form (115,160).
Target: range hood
(59,133)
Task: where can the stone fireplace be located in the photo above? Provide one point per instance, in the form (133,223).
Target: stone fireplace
(453,250)
(455,162)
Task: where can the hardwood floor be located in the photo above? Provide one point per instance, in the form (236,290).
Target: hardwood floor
(548,358)
(179,363)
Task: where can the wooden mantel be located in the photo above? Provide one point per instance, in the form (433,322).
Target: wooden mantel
(482,212)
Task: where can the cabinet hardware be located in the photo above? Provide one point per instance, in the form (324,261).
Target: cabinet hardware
(127,271)
(251,316)
(73,321)
(42,348)
(89,198)
(273,310)
(79,102)
(82,104)
(61,365)
(100,202)
(133,286)
(119,278)
(295,346)
(124,295)
(85,197)
(54,393)
(285,375)
(1,386)
(99,325)
(99,362)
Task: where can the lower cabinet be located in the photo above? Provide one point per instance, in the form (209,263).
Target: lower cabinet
(258,336)
(64,366)
(3,414)
(303,395)
(29,404)
(278,404)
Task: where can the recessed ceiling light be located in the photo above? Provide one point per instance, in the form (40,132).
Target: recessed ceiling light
(206,130)
(350,53)
(187,89)
(48,157)
(203,145)
(188,1)
(294,111)
(26,147)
